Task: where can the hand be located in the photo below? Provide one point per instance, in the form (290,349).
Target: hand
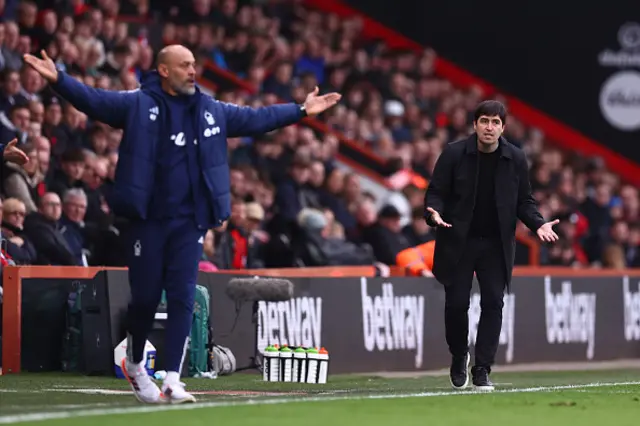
(14,154)
(222,227)
(260,235)
(45,66)
(17,241)
(437,219)
(546,233)
(315,104)
(382,270)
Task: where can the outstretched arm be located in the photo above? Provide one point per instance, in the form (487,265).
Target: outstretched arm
(110,107)
(246,121)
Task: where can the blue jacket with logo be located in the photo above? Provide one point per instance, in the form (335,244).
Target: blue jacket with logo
(136,112)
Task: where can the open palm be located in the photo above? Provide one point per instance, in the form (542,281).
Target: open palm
(45,66)
(315,104)
(546,232)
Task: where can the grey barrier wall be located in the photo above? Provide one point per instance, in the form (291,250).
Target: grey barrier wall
(370,324)
(396,324)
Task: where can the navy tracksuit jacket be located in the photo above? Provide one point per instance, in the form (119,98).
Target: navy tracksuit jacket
(172,182)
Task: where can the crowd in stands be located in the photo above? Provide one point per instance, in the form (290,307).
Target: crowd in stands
(293,204)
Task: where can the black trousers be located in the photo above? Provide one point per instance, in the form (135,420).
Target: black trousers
(484,257)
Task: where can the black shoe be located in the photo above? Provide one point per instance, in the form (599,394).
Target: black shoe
(459,372)
(481,379)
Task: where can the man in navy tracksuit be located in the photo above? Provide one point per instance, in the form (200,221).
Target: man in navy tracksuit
(172,182)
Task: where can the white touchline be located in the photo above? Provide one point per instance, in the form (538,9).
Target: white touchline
(34,417)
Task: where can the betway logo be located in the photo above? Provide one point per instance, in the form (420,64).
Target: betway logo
(391,322)
(508,321)
(571,317)
(295,322)
(631,311)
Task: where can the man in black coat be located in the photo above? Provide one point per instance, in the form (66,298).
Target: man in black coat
(480,186)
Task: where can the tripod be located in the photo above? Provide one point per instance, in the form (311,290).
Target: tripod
(257,358)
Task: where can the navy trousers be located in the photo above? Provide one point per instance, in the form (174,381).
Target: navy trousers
(162,255)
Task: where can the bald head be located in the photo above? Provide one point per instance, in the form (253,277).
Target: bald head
(171,52)
(177,69)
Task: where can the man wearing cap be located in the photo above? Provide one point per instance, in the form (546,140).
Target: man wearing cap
(479,188)
(385,236)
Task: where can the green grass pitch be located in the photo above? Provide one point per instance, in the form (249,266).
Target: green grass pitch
(540,398)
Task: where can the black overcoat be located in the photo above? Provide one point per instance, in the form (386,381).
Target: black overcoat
(452,193)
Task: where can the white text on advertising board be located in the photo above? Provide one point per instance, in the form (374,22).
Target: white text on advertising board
(570,317)
(631,310)
(295,322)
(391,323)
(508,322)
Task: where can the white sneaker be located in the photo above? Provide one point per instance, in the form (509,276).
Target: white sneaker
(144,389)
(175,393)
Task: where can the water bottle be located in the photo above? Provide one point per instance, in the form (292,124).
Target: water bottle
(271,370)
(312,365)
(323,369)
(286,363)
(299,365)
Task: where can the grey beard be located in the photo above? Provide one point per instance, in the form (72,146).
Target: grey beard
(185,90)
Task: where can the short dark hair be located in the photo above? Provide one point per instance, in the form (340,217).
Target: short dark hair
(72,155)
(18,105)
(490,108)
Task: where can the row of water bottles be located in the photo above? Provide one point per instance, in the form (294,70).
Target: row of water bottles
(295,364)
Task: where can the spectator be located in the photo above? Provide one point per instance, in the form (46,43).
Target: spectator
(10,50)
(596,210)
(381,230)
(280,82)
(257,237)
(10,94)
(393,105)
(417,232)
(15,123)
(290,195)
(70,174)
(317,248)
(613,257)
(43,229)
(331,197)
(74,207)
(94,175)
(19,246)
(22,182)
(208,253)
(633,250)
(232,250)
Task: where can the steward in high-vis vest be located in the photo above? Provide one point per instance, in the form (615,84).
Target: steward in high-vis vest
(418,260)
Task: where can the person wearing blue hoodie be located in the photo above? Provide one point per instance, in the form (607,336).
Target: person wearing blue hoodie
(172,184)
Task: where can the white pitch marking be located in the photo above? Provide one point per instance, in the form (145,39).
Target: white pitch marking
(33,417)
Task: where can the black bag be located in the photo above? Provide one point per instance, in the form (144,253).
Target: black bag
(86,342)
